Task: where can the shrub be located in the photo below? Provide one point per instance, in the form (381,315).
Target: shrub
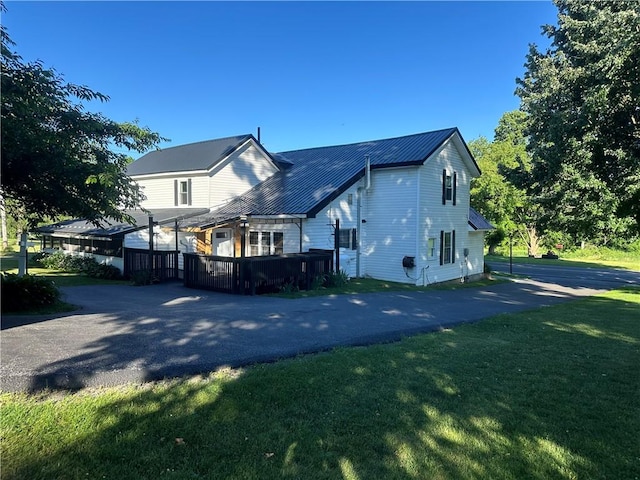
(336,279)
(317,282)
(28,292)
(289,287)
(106,272)
(78,264)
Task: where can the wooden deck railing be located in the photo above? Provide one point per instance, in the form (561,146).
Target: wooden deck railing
(255,275)
(163,268)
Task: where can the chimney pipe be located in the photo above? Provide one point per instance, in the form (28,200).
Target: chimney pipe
(258,134)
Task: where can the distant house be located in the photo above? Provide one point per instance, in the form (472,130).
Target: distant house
(399,206)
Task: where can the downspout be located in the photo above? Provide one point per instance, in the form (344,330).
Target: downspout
(358,229)
(419,224)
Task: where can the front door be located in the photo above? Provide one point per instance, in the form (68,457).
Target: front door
(222,242)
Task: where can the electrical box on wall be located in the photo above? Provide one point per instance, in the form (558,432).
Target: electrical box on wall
(409,262)
(466,252)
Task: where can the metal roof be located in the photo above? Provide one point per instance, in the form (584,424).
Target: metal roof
(477,221)
(80,227)
(319,175)
(190,157)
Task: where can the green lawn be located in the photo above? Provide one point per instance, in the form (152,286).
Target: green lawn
(549,393)
(372,285)
(9,264)
(626,260)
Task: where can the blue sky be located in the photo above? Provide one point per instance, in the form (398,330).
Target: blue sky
(307,73)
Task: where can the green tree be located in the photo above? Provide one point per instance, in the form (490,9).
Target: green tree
(502,192)
(57,158)
(582,96)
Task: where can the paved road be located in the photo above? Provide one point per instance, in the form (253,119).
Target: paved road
(572,276)
(135,334)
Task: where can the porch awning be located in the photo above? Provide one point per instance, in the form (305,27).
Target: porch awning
(111,228)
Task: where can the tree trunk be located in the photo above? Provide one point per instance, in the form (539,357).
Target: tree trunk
(532,240)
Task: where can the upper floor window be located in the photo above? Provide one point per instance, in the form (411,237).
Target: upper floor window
(449,184)
(182,192)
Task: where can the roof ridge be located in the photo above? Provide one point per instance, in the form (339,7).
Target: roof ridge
(245,135)
(369,141)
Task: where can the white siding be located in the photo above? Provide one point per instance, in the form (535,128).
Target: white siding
(475,262)
(160,190)
(163,240)
(391,227)
(291,235)
(436,217)
(318,232)
(243,170)
(238,173)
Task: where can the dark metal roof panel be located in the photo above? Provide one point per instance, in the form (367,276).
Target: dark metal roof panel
(477,221)
(319,175)
(190,157)
(81,227)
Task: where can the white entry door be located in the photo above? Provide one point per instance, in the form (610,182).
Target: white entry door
(222,242)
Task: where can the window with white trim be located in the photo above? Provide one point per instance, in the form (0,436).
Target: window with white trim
(184,192)
(431,247)
(266,243)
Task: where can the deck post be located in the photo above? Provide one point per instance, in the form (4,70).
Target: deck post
(243,245)
(151,244)
(336,244)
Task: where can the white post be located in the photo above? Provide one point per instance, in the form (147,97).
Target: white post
(22,259)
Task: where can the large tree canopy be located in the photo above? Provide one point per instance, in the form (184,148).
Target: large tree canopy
(502,192)
(582,97)
(57,158)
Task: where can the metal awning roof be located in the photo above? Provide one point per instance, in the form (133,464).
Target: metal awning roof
(83,228)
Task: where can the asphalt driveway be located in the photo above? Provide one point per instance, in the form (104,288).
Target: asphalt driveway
(136,334)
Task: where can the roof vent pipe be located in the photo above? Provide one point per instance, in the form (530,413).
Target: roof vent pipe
(258,134)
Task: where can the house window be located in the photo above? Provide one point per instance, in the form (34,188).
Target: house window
(447,247)
(350,199)
(254,244)
(278,243)
(431,247)
(449,184)
(182,192)
(348,238)
(266,243)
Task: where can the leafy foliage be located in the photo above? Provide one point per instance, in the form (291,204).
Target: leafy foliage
(336,279)
(583,100)
(78,264)
(57,158)
(28,292)
(502,193)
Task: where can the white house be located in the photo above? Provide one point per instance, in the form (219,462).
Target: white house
(402,204)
